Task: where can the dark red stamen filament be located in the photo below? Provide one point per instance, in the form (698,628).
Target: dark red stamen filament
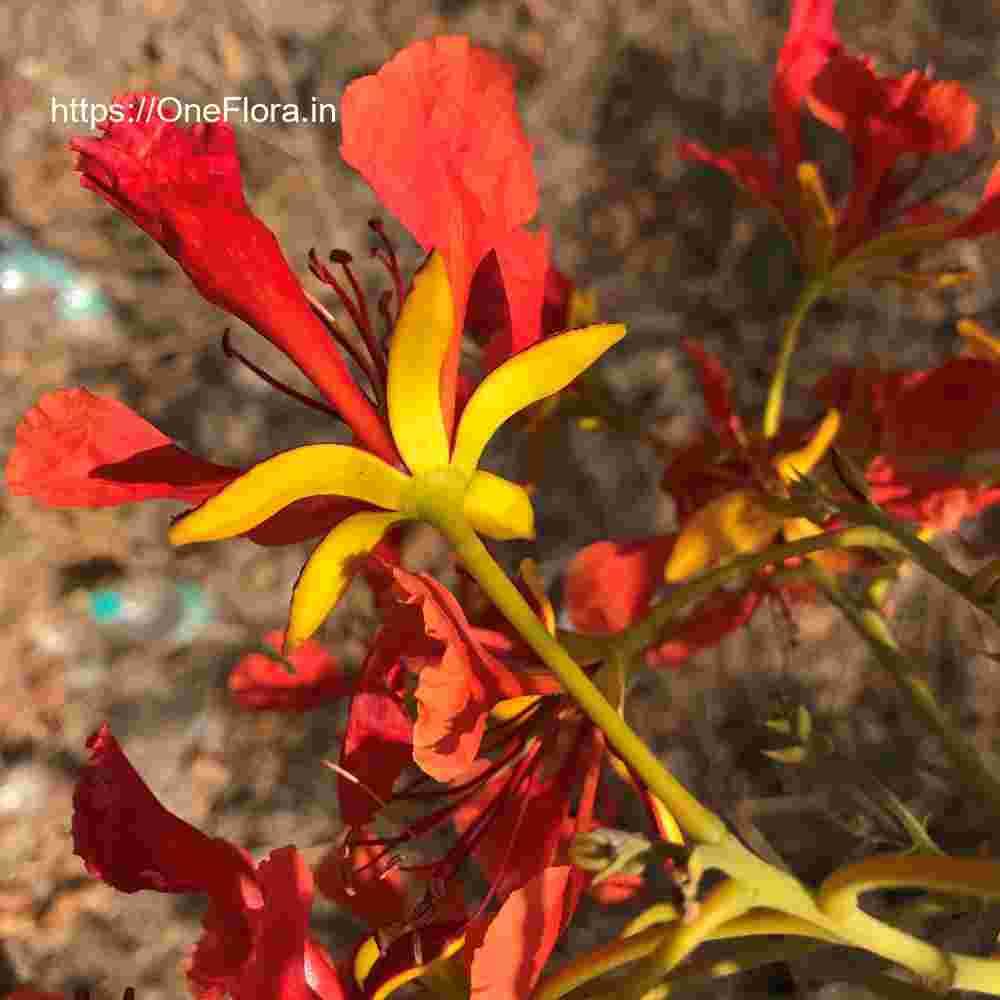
(361,360)
(387,255)
(383,309)
(522,748)
(316,404)
(357,310)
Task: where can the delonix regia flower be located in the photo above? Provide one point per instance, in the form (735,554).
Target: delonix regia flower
(442,478)
(893,125)
(437,135)
(718,524)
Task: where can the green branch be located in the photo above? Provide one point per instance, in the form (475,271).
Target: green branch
(812,292)
(871,626)
(699,823)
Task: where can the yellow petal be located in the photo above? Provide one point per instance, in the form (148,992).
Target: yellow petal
(670,827)
(511,708)
(270,486)
(498,508)
(417,351)
(819,220)
(800,527)
(793,464)
(978,343)
(371,951)
(524,379)
(329,570)
(733,523)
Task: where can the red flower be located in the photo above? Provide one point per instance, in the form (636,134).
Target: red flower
(811,40)
(262,683)
(183,187)
(924,438)
(885,118)
(708,624)
(893,124)
(610,585)
(255,940)
(514,755)
(718,484)
(452,162)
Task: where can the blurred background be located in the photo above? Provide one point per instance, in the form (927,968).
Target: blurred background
(606,90)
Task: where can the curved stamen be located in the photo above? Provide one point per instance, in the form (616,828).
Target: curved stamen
(321,271)
(323,314)
(357,310)
(344,259)
(383,308)
(364,323)
(388,258)
(231,352)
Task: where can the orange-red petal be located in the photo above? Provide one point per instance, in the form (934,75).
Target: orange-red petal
(183,187)
(262,683)
(507,954)
(436,133)
(75,449)
(609,584)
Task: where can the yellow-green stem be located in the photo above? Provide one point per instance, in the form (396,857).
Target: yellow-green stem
(699,823)
(724,903)
(838,897)
(625,950)
(646,632)
(810,294)
(778,890)
(979,877)
(924,555)
(870,625)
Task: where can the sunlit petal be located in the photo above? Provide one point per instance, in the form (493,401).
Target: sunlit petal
(524,379)
(329,570)
(803,460)
(315,470)
(498,508)
(977,342)
(75,449)
(733,523)
(419,344)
